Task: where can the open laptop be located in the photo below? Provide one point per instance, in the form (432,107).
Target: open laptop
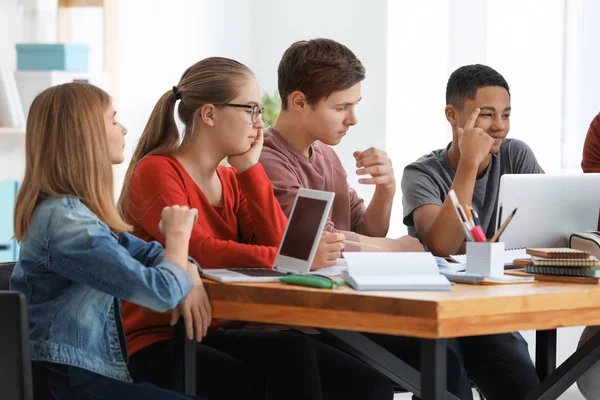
(298,246)
(550,208)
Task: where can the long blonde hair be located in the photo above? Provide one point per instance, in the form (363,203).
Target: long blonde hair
(209,81)
(66,154)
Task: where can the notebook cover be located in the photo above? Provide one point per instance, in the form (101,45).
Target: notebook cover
(558,252)
(555,278)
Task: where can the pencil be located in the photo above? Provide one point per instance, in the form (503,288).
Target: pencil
(371,246)
(503,227)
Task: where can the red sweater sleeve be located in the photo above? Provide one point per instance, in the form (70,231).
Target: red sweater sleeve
(157,183)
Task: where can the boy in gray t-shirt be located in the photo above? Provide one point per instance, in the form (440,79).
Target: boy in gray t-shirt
(478,108)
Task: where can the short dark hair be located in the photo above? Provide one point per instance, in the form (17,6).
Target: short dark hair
(465,81)
(317,68)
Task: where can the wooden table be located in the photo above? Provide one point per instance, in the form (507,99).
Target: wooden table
(466,310)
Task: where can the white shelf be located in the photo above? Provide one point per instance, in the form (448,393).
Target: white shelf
(11,131)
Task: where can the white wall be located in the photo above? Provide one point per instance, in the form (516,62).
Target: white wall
(417,72)
(526,46)
(10,32)
(582,80)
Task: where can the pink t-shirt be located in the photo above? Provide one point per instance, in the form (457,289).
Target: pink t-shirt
(290,170)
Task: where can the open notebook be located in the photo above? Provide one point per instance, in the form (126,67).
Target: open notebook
(393,271)
(509,256)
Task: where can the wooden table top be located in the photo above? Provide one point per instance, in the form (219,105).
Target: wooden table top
(463,311)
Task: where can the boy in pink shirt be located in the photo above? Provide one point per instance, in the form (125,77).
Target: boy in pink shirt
(320,84)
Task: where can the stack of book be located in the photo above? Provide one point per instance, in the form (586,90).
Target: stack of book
(562,264)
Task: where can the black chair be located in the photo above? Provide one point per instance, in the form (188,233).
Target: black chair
(184,371)
(15,359)
(5,273)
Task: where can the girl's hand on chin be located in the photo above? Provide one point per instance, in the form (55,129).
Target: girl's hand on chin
(243,161)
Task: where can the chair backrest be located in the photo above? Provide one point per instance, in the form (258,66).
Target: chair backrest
(15,359)
(5,273)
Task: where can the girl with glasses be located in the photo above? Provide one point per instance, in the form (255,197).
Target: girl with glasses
(240,224)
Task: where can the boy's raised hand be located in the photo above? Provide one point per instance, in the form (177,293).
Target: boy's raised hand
(242,162)
(375,162)
(474,144)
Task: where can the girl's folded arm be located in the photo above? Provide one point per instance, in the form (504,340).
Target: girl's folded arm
(84,250)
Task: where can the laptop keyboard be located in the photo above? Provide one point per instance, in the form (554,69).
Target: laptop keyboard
(256,271)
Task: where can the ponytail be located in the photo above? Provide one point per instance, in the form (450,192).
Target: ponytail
(160,136)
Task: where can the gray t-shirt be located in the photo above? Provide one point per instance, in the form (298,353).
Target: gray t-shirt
(428,181)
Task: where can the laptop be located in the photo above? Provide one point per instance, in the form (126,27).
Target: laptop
(550,208)
(298,246)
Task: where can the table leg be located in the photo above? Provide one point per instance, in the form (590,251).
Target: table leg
(568,372)
(433,369)
(545,353)
(399,372)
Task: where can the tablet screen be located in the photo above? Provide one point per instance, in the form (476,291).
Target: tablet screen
(303,227)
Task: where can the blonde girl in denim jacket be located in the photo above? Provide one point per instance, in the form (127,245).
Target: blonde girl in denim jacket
(77,260)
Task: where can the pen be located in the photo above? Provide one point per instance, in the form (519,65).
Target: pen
(470,216)
(459,210)
(371,246)
(476,217)
(478,234)
(468,234)
(503,227)
(499,217)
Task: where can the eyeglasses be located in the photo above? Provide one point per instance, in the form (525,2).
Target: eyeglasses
(254,114)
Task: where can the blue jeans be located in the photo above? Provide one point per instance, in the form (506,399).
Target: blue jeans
(63,382)
(499,365)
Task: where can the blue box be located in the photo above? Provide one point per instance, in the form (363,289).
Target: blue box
(61,57)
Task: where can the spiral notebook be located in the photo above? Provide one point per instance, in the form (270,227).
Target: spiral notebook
(556,278)
(558,252)
(563,271)
(591,262)
(509,256)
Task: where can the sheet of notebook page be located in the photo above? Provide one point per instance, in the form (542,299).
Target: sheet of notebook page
(509,256)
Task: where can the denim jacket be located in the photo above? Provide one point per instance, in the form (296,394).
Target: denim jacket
(74,270)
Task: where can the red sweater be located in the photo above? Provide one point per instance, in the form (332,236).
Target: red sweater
(244,232)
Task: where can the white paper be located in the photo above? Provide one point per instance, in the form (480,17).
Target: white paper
(387,264)
(330,271)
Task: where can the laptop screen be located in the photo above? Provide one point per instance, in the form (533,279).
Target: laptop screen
(303,227)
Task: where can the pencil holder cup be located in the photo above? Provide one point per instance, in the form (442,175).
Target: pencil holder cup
(484,258)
